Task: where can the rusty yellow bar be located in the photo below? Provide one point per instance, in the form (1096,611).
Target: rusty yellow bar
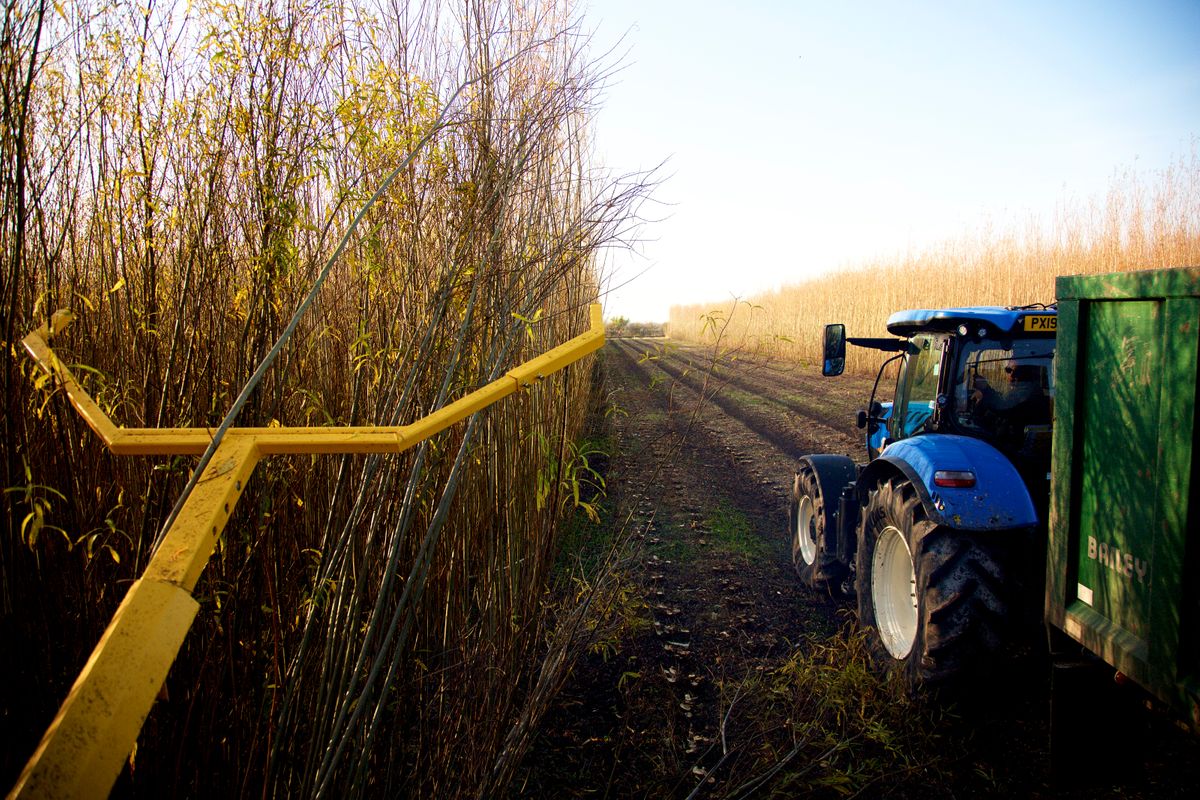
(83,750)
(185,549)
(517,378)
(36,344)
(280,441)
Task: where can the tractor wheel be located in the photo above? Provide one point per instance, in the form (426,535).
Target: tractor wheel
(934,599)
(816,566)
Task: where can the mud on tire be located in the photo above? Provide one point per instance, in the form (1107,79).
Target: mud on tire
(938,602)
(816,566)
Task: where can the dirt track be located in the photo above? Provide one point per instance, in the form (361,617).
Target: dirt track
(701,470)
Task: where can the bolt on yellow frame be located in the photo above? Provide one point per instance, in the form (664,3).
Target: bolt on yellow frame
(83,749)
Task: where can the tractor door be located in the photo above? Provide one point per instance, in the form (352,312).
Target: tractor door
(917,386)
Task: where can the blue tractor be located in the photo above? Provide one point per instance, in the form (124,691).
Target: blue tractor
(940,534)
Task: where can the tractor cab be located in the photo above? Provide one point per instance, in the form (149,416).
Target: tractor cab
(984,372)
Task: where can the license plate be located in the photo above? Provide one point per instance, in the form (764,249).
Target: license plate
(1041,323)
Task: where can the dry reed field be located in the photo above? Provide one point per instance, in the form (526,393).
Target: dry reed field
(178,174)
(1142,223)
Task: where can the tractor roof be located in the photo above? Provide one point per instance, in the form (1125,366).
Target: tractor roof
(997,318)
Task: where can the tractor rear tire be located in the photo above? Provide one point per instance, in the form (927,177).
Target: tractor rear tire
(817,567)
(935,600)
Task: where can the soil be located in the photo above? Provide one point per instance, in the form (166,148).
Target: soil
(700,471)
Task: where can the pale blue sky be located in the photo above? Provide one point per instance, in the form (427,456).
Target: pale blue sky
(807,136)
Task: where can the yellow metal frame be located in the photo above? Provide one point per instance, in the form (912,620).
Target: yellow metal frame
(83,749)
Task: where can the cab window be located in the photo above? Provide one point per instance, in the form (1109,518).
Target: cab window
(1004,388)
(916,388)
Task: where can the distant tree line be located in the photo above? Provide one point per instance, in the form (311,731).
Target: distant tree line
(619,327)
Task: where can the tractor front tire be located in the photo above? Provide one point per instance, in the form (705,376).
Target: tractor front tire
(933,599)
(817,567)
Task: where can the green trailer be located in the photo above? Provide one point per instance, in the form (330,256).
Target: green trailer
(1123,554)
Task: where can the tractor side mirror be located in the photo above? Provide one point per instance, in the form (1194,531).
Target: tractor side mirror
(834,358)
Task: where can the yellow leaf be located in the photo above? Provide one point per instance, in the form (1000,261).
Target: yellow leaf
(118,286)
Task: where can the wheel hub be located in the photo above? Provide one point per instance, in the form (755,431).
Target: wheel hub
(894,593)
(806,530)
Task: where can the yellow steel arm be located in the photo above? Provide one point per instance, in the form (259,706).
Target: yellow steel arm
(278,441)
(82,751)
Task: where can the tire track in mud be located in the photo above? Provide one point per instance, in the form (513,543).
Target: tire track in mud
(789,386)
(797,387)
(704,611)
(706,485)
(794,428)
(752,446)
(691,422)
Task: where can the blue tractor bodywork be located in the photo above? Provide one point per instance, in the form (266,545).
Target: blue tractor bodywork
(913,422)
(999,499)
(995,318)
(878,433)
